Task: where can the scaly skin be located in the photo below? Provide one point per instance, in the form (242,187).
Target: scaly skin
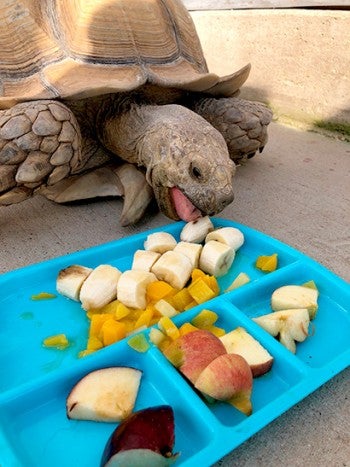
(44,145)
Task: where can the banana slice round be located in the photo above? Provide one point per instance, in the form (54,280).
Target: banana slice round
(70,280)
(100,287)
(174,268)
(228,235)
(216,258)
(132,287)
(160,242)
(196,231)
(144,259)
(191,250)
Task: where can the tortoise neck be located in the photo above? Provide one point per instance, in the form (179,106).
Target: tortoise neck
(137,133)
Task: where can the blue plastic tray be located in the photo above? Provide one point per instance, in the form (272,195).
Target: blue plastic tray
(34,381)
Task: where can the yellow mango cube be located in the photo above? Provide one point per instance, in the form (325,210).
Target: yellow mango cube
(158,290)
(200,291)
(186,328)
(144,319)
(181,299)
(267,263)
(121,311)
(96,323)
(204,319)
(168,327)
(58,341)
(94,343)
(139,343)
(112,331)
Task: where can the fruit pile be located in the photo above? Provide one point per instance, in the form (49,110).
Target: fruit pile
(166,278)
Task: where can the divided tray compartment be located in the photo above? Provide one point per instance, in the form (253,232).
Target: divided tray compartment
(34,381)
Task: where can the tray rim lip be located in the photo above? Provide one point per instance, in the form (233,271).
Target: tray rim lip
(265,416)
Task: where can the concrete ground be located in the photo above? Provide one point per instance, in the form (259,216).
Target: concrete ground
(297,190)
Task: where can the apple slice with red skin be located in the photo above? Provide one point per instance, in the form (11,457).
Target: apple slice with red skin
(228,378)
(104,395)
(239,341)
(192,352)
(145,438)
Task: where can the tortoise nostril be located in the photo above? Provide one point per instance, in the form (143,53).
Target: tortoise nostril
(195,172)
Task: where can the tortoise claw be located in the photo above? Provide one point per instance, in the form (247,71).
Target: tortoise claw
(137,193)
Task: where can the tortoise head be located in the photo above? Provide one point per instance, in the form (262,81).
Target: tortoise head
(190,169)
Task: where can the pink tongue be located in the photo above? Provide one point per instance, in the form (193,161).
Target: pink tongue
(184,208)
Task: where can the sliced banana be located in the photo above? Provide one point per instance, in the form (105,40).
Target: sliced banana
(216,258)
(70,280)
(144,259)
(160,242)
(174,268)
(196,231)
(132,286)
(229,235)
(191,250)
(100,287)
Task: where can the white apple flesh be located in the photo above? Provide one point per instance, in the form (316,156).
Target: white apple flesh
(240,342)
(295,296)
(290,325)
(105,395)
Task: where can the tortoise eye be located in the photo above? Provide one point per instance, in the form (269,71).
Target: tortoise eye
(195,172)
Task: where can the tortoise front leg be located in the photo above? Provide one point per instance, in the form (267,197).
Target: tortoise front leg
(39,144)
(242,123)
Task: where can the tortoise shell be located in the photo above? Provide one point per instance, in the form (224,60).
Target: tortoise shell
(72,49)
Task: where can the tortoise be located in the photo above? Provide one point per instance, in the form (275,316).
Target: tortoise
(114,98)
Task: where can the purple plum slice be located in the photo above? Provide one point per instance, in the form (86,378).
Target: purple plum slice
(144,438)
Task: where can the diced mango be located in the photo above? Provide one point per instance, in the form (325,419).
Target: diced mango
(94,343)
(112,331)
(158,290)
(96,323)
(121,311)
(200,291)
(168,327)
(129,324)
(144,319)
(186,328)
(139,343)
(58,341)
(267,263)
(181,299)
(205,319)
(196,274)
(156,336)
(165,309)
(212,283)
(191,305)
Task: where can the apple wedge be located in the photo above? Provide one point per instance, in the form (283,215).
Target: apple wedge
(105,395)
(228,378)
(289,325)
(295,296)
(145,438)
(192,352)
(240,342)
